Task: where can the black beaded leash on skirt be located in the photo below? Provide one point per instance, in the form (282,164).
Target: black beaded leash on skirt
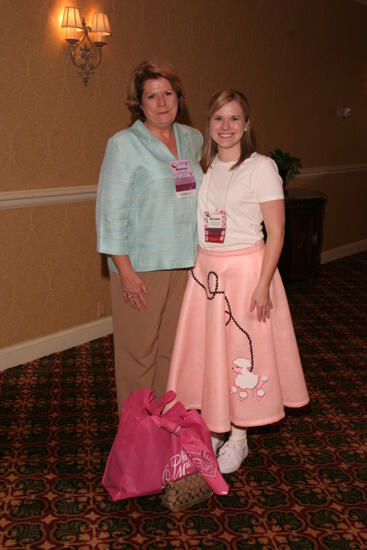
(228,311)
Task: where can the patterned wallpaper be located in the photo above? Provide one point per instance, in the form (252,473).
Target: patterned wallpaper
(297,61)
(51,278)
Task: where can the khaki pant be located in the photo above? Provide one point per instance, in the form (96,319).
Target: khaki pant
(143,341)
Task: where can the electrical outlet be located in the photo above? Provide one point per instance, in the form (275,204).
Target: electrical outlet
(100,309)
(344,111)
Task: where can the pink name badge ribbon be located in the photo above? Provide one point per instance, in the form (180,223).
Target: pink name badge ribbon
(184,178)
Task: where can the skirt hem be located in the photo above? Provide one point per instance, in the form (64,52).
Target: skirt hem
(239,423)
(297,405)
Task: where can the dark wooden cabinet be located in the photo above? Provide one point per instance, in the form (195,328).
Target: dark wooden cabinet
(300,258)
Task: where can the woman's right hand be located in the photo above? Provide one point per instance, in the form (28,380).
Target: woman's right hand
(133,287)
(134,290)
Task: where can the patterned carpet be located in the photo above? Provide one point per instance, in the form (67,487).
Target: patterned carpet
(303,486)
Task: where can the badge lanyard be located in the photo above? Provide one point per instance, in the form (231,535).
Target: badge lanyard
(215,222)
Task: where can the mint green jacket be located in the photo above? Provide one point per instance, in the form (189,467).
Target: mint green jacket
(137,210)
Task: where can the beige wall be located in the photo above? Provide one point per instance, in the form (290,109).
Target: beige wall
(296,60)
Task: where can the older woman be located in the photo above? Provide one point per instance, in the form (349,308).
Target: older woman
(146,223)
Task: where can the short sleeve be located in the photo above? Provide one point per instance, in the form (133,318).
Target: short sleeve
(113,200)
(268,185)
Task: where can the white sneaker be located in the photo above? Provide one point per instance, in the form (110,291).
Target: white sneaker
(231,456)
(217,443)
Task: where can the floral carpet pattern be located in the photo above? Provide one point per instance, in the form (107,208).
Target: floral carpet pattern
(303,486)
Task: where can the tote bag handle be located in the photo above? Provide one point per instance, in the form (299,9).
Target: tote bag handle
(154,406)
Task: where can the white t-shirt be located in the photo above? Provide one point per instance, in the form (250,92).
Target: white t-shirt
(240,192)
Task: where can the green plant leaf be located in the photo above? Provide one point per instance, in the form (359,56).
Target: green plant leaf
(288,165)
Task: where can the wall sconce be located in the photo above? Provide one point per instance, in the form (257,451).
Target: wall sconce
(85,51)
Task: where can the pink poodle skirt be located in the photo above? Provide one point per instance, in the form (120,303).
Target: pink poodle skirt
(225,362)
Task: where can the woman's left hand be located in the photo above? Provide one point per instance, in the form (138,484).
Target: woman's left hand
(261,300)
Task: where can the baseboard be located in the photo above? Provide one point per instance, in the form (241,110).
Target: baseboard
(342,251)
(27,351)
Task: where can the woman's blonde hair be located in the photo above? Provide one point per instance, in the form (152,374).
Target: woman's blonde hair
(210,149)
(145,71)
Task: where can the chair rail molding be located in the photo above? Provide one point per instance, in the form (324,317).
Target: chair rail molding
(51,195)
(318,171)
(29,198)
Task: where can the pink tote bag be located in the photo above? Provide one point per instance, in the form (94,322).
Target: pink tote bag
(151,448)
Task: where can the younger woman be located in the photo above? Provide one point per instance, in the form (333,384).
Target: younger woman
(235,356)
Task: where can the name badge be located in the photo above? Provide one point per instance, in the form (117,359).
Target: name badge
(215,226)
(184,178)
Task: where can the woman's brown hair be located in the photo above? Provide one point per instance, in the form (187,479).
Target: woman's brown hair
(210,149)
(145,71)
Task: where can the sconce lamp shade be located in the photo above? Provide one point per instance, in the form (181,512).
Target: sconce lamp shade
(101,24)
(71,18)
(100,28)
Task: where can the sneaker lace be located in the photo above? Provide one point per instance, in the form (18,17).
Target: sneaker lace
(227,449)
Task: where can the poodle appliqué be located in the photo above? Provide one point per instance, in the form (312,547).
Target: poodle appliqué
(246,380)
